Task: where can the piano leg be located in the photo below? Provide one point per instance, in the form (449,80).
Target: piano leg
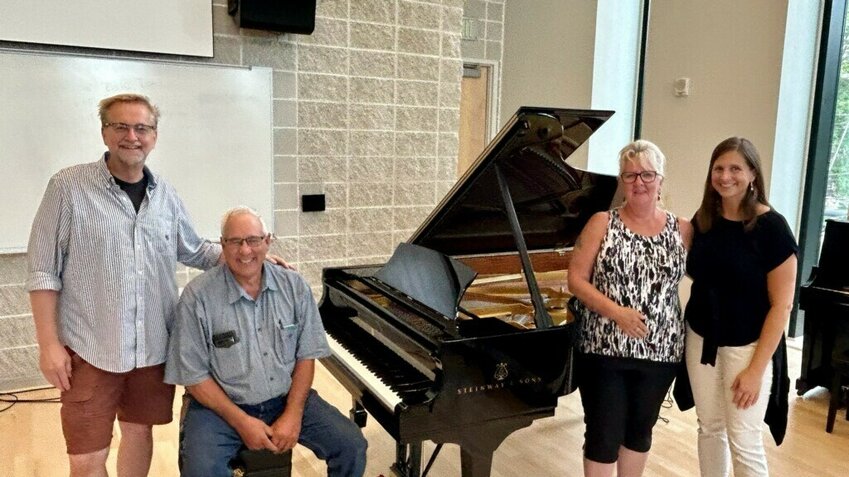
(477,448)
(358,414)
(802,383)
(473,464)
(813,356)
(408,459)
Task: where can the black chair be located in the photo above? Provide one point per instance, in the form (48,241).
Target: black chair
(840,365)
(262,463)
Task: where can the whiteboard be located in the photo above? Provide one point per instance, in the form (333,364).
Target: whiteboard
(214,142)
(182,27)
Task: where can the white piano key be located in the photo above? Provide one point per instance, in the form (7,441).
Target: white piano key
(386,395)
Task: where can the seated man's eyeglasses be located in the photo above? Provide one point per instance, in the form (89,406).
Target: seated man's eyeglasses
(236,242)
(124,128)
(645,176)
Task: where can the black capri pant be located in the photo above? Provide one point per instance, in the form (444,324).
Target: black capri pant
(621,399)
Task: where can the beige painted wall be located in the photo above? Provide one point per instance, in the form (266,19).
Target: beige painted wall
(548,54)
(731,51)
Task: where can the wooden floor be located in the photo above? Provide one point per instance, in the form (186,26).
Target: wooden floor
(31,442)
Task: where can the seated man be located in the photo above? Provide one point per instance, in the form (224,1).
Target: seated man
(244,343)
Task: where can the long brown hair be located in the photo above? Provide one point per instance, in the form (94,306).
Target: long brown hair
(711,207)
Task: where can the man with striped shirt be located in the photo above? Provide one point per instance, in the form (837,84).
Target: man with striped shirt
(102,255)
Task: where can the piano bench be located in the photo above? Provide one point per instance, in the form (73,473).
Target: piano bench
(262,463)
(840,365)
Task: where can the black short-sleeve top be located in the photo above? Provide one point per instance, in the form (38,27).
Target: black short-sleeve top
(729,266)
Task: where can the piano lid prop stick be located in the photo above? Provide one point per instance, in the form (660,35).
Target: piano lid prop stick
(543,320)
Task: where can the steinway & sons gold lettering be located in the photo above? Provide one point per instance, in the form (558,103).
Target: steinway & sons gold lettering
(496,386)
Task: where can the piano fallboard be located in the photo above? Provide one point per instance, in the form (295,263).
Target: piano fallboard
(811,296)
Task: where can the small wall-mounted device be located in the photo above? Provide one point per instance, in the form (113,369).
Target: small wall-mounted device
(312,203)
(470,29)
(681,87)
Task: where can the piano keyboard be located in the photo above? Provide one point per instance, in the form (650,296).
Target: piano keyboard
(386,395)
(382,370)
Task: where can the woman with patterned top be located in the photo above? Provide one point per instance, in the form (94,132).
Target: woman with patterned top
(743,266)
(625,272)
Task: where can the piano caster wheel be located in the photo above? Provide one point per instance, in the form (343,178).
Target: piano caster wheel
(359,416)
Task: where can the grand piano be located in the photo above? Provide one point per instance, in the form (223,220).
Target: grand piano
(825,299)
(464,336)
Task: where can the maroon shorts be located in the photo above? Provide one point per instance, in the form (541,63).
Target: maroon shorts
(96,397)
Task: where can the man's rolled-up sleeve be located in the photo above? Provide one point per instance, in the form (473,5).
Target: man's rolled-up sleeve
(48,240)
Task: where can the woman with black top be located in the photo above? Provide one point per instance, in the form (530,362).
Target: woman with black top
(625,271)
(743,266)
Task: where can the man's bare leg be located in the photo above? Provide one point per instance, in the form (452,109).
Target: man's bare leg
(135,449)
(92,464)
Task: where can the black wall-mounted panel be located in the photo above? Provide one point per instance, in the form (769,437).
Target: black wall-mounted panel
(312,203)
(293,16)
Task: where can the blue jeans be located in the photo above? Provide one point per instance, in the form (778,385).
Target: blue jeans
(208,443)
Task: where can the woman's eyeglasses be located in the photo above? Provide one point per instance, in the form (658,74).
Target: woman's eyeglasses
(646,176)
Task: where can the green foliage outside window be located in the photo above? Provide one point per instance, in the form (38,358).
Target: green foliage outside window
(837,189)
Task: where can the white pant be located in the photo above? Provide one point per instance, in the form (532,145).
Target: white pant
(722,426)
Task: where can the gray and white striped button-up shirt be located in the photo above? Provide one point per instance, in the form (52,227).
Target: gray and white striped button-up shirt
(114,268)
(249,347)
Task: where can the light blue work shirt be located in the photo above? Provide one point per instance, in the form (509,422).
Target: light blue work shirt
(249,347)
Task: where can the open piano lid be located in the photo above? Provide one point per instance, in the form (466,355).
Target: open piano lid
(552,199)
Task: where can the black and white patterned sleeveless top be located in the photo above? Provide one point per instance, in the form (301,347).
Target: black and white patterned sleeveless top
(642,273)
